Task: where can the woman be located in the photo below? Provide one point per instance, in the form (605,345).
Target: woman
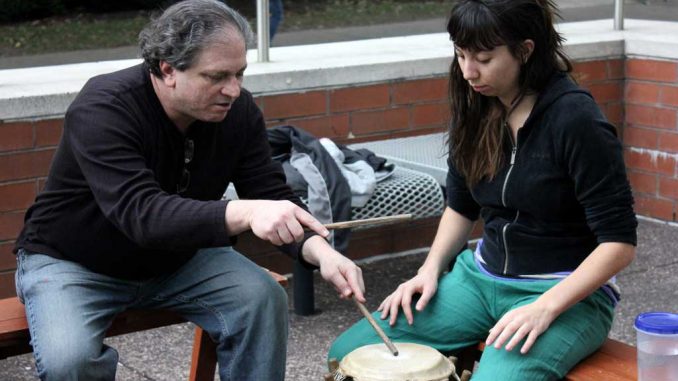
(533,155)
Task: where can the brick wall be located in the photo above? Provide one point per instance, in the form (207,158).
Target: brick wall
(647,89)
(651,136)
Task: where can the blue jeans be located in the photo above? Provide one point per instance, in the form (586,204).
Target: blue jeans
(235,301)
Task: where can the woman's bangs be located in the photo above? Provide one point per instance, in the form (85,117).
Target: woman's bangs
(472,26)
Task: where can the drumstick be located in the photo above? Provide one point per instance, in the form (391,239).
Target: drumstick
(376,327)
(368,221)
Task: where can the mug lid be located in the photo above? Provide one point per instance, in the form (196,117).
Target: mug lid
(658,322)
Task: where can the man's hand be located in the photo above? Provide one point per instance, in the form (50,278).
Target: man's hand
(279,222)
(341,272)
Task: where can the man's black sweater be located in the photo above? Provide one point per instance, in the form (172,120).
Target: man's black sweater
(111,203)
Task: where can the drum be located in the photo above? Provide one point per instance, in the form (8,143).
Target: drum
(414,362)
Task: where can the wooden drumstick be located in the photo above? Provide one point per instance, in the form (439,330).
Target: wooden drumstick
(376,327)
(368,221)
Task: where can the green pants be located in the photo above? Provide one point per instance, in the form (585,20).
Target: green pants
(468,303)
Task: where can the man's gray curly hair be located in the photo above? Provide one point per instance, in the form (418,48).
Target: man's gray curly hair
(184,29)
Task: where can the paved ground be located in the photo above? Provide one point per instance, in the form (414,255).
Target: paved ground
(571,10)
(650,283)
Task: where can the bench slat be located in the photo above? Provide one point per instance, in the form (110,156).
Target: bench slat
(614,361)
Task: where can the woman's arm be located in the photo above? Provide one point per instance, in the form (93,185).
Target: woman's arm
(533,319)
(452,235)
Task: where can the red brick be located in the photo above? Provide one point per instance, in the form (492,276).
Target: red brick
(11,224)
(296,104)
(359,98)
(654,207)
(420,91)
(669,95)
(614,111)
(607,92)
(642,92)
(17,196)
(7,289)
(334,126)
(16,136)
(363,123)
(19,166)
(7,258)
(48,132)
(651,70)
(668,142)
(615,69)
(668,187)
(643,182)
(430,114)
(640,137)
(589,71)
(651,116)
(664,164)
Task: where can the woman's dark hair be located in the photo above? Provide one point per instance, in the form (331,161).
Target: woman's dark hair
(477,133)
(180,33)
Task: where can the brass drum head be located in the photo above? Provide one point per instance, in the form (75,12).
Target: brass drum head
(414,362)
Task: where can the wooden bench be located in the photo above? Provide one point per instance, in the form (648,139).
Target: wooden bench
(613,361)
(15,337)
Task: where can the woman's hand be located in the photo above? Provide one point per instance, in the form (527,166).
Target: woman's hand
(424,283)
(533,319)
(529,321)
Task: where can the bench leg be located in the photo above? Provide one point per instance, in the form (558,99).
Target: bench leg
(204,360)
(304,301)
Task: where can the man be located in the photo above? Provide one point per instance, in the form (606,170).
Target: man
(132,216)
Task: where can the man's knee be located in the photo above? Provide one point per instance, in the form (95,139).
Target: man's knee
(265,293)
(76,362)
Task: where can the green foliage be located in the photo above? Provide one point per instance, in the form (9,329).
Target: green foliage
(80,31)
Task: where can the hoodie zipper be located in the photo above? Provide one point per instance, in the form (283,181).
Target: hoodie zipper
(514,151)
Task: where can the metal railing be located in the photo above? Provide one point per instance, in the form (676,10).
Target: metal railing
(263,31)
(263,26)
(618,14)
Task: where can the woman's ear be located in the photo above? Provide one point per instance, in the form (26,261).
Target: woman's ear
(527,49)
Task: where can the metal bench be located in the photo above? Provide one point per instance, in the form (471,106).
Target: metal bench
(422,153)
(405,191)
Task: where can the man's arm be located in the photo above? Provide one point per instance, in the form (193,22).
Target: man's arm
(282,222)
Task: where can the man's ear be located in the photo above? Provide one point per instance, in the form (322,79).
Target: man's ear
(527,49)
(168,74)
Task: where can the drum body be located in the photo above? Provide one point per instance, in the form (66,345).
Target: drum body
(414,362)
